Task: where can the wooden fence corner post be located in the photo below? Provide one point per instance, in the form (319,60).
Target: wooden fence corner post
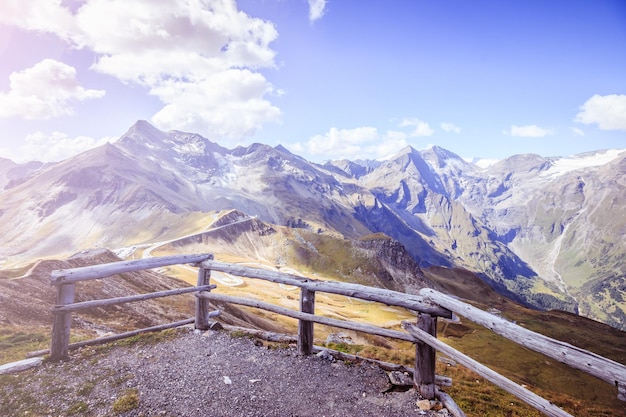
(305,328)
(202,304)
(424,376)
(61,324)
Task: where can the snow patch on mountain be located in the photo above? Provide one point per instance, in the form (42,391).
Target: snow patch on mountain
(562,166)
(520,219)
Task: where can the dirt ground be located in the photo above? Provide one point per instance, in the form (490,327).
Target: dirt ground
(203,374)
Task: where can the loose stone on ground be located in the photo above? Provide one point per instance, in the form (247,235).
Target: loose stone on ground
(210,374)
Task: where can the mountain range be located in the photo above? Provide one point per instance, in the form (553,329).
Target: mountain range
(547,232)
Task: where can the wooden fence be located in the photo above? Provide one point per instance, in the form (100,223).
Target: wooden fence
(428,306)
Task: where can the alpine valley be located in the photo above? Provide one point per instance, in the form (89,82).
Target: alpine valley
(547,232)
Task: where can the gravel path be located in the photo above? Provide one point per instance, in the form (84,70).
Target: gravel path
(203,374)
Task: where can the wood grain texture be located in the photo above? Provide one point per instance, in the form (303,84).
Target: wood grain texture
(578,358)
(101,271)
(388,297)
(520,392)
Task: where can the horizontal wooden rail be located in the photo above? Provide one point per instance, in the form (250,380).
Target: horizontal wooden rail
(65,281)
(522,393)
(115,337)
(428,305)
(84,273)
(575,357)
(388,297)
(131,298)
(343,324)
(442,381)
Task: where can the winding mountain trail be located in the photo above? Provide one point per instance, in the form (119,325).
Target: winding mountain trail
(222,278)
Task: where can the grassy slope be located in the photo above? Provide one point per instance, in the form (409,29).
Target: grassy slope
(323,257)
(578,393)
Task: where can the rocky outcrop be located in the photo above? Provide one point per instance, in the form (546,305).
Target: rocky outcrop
(397,267)
(546,229)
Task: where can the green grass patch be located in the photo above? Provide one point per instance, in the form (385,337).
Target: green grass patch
(17,398)
(240,334)
(345,347)
(142,339)
(127,402)
(576,391)
(15,343)
(150,338)
(477,397)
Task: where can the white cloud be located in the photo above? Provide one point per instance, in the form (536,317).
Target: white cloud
(173,48)
(55,146)
(341,141)
(358,143)
(187,39)
(39,15)
(527,131)
(316,9)
(420,128)
(390,144)
(608,112)
(227,105)
(199,61)
(450,128)
(578,131)
(46,90)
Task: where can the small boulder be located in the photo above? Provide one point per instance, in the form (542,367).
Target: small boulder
(423,405)
(22,365)
(400,378)
(339,338)
(324,354)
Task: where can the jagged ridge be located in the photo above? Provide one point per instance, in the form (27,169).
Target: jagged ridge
(544,229)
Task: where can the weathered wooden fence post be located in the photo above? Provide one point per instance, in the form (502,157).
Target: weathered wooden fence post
(305,328)
(424,376)
(61,324)
(202,304)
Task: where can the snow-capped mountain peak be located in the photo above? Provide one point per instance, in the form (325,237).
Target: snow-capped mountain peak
(525,225)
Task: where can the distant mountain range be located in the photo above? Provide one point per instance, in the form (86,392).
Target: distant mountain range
(545,231)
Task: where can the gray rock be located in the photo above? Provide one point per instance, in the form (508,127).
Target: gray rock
(22,365)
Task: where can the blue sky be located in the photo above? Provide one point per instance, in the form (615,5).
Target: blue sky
(326,79)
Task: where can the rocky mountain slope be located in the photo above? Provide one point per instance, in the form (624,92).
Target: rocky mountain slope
(373,260)
(26,300)
(545,231)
